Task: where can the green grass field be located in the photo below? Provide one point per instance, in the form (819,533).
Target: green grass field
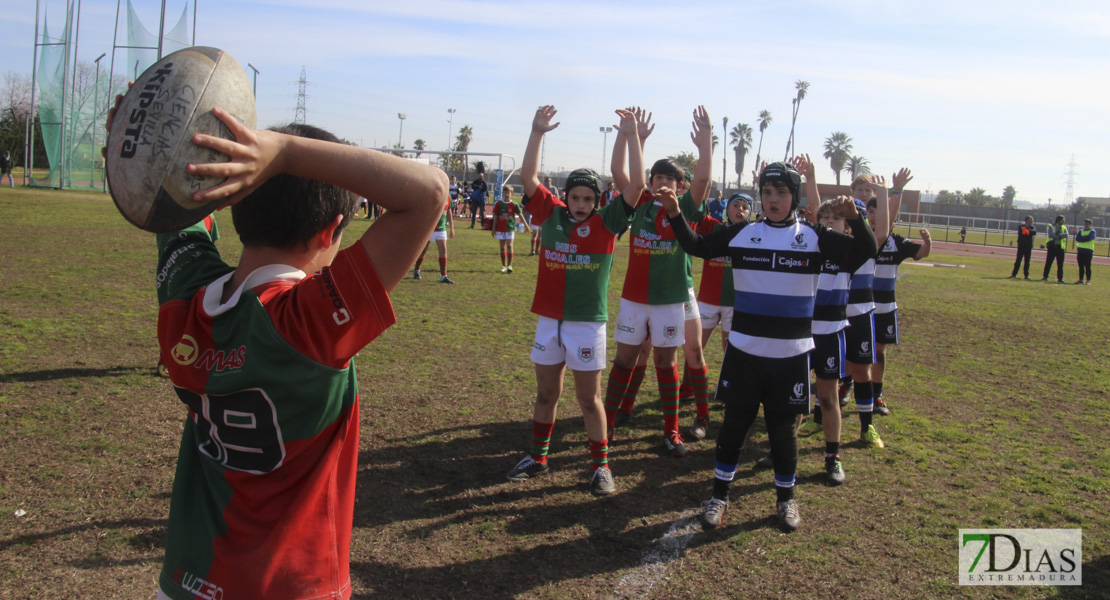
(999,390)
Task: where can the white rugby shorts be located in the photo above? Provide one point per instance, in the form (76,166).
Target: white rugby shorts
(579,344)
(665,323)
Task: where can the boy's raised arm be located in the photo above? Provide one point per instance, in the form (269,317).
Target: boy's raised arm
(813,194)
(702,137)
(530,168)
(628,129)
(899,181)
(412,194)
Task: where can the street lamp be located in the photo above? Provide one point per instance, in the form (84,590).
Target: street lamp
(450,129)
(254,82)
(96,95)
(604,143)
(401,131)
(724,155)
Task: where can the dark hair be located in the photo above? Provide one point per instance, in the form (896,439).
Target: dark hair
(288,210)
(669,167)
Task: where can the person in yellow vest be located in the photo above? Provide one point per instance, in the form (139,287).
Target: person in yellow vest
(1056,245)
(1085,251)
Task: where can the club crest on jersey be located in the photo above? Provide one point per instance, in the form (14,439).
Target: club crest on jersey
(665,222)
(185,352)
(585,354)
(800,242)
(799,390)
(831,362)
(583,231)
(670,331)
(865,347)
(890,330)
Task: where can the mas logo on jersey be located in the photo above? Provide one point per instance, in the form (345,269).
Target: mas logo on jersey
(584,231)
(670,331)
(185,352)
(756,239)
(539,346)
(585,354)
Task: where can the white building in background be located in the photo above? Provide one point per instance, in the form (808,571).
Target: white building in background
(1102,205)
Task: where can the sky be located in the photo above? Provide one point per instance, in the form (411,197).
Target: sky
(965,94)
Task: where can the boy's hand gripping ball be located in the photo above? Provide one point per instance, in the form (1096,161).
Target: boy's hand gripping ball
(150,137)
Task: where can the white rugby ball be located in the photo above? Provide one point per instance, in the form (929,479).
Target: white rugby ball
(150,139)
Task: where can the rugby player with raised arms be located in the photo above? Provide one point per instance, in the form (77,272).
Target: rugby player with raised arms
(571,299)
(656,299)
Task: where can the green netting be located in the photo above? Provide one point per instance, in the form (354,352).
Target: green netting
(80,109)
(51,78)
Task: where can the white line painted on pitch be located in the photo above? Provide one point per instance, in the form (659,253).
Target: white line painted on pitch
(638,582)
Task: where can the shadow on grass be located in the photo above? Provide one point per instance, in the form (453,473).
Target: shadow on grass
(475,535)
(1096,581)
(154,536)
(75,373)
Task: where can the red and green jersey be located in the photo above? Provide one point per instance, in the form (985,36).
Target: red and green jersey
(716,273)
(573,279)
(263,497)
(504,214)
(442,224)
(659,271)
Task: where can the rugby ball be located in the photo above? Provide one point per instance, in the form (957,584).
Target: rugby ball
(150,138)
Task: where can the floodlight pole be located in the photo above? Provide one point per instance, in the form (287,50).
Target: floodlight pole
(450,127)
(724,154)
(401,131)
(96,96)
(254,82)
(604,142)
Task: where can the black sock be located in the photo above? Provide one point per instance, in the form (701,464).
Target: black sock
(784,493)
(817,415)
(720,489)
(832,449)
(877,386)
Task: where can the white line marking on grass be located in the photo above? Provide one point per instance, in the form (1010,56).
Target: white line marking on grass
(638,582)
(930,264)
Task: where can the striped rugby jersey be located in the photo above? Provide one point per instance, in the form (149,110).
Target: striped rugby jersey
(894,251)
(830,306)
(861,299)
(775,267)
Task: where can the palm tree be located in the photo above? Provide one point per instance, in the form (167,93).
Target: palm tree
(802,88)
(741,139)
(419,145)
(838,147)
(858,165)
(1008,195)
(462,144)
(764,121)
